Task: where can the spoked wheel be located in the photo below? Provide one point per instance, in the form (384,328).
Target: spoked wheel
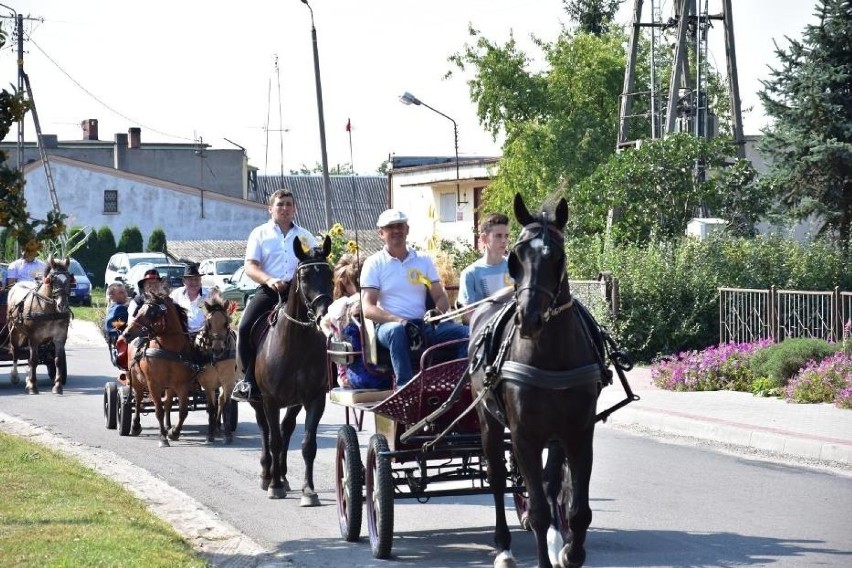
(564,499)
(111,405)
(379,497)
(349,483)
(125,410)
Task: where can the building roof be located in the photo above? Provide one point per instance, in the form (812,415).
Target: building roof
(358,212)
(196,251)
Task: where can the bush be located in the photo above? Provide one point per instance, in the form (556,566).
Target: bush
(779,362)
(829,380)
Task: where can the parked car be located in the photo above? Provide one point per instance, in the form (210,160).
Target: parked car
(215,270)
(120,263)
(172,273)
(81,289)
(239,287)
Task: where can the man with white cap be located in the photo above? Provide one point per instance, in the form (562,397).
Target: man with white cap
(394,284)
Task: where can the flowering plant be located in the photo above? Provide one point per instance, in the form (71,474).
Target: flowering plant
(716,368)
(829,380)
(340,245)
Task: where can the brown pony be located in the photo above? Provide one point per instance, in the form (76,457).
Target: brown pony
(161,360)
(537,361)
(39,314)
(215,346)
(291,373)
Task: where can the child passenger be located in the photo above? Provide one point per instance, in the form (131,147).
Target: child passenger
(116,314)
(338,322)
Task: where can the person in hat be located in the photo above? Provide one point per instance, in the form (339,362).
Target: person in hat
(394,285)
(190,297)
(150,282)
(271,262)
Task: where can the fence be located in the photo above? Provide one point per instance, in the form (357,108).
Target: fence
(747,315)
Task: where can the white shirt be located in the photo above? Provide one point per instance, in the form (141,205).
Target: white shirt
(269,246)
(401,283)
(194,313)
(26,271)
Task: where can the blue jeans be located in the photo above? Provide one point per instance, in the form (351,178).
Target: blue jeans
(394,337)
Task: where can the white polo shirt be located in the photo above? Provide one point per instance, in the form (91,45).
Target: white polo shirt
(401,283)
(269,246)
(26,271)
(194,313)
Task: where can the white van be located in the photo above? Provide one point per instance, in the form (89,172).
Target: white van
(215,270)
(120,263)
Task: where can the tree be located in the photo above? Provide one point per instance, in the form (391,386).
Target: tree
(592,16)
(810,142)
(96,253)
(157,241)
(131,240)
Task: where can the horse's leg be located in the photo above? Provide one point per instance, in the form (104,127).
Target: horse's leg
(580,458)
(492,446)
(552,487)
(226,387)
(313,414)
(32,379)
(528,455)
(183,410)
(61,366)
(277,489)
(159,410)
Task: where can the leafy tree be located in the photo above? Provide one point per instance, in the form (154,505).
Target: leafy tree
(131,240)
(810,143)
(593,16)
(344,169)
(157,241)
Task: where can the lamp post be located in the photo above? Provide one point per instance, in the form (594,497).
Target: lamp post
(326,184)
(409,99)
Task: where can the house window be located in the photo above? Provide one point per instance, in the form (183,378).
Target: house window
(110,201)
(447,207)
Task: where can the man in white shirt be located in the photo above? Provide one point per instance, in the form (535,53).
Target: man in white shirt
(28,268)
(394,283)
(271,262)
(190,297)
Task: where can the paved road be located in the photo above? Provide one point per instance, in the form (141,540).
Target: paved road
(655,504)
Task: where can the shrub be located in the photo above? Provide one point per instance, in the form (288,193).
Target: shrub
(779,362)
(829,380)
(725,367)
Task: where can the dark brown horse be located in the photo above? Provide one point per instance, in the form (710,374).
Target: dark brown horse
(540,369)
(290,372)
(161,360)
(38,314)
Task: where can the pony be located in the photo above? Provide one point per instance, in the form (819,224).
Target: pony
(537,367)
(161,360)
(38,314)
(290,370)
(215,347)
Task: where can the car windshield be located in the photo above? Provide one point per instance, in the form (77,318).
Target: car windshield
(76,269)
(171,272)
(150,259)
(228,266)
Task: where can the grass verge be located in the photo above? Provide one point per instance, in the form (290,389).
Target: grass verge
(56,512)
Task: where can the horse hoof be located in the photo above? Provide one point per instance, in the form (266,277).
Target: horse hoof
(164,443)
(286,484)
(276,493)
(568,560)
(264,484)
(309,500)
(505,560)
(174,436)
(32,390)
(15,379)
(136,430)
(57,389)
(229,440)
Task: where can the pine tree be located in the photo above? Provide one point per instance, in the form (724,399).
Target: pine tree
(810,143)
(131,240)
(157,241)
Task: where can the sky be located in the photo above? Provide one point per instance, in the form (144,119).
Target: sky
(243,72)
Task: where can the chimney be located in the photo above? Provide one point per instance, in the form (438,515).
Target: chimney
(135,134)
(90,129)
(120,151)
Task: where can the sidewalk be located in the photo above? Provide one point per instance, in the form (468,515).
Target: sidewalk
(815,432)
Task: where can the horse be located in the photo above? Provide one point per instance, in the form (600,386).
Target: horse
(215,347)
(291,373)
(38,313)
(537,368)
(161,360)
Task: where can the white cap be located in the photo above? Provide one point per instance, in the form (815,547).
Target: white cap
(391,217)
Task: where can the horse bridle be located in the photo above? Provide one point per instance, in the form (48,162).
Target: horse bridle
(310,304)
(212,336)
(63,277)
(544,233)
(156,321)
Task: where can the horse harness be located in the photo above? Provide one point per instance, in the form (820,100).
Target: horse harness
(310,304)
(55,290)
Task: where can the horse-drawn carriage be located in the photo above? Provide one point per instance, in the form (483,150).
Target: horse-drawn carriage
(515,417)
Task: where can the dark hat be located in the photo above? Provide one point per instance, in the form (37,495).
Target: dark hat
(191,270)
(150,274)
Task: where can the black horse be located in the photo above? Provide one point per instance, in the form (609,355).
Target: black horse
(538,363)
(291,372)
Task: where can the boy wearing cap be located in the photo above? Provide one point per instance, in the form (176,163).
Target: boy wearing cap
(271,262)
(394,283)
(190,297)
(489,274)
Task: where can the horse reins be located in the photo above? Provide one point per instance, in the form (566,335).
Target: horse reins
(544,234)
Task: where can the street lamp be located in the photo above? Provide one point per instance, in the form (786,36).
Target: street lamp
(409,99)
(326,184)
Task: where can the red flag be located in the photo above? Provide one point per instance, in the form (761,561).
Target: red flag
(348,125)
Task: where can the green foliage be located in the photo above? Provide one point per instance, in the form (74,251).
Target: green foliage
(810,139)
(95,254)
(592,16)
(340,245)
(131,240)
(461,253)
(157,241)
(779,362)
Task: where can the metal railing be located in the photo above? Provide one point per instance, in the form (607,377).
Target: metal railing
(747,315)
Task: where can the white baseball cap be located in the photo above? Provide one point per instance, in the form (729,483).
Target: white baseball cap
(391,217)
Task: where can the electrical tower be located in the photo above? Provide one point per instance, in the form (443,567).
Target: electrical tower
(645,113)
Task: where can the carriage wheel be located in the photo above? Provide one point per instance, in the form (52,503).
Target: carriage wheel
(564,499)
(379,497)
(125,410)
(349,482)
(233,417)
(111,405)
